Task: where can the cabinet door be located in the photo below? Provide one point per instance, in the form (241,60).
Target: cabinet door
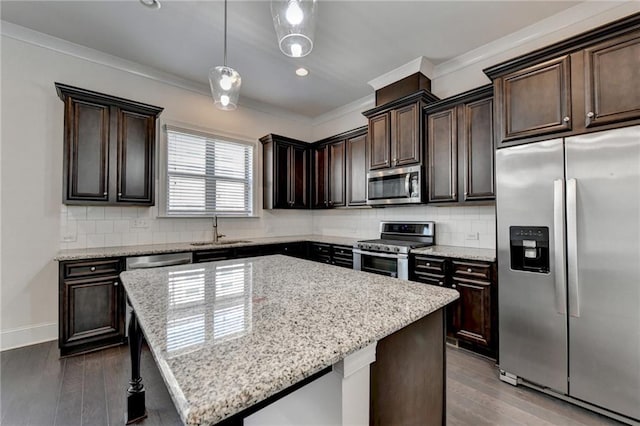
(380,140)
(612,81)
(442,151)
(86,172)
(478,150)
(299,176)
(472,312)
(320,177)
(357,171)
(91,310)
(405,139)
(536,100)
(337,174)
(281,176)
(135,158)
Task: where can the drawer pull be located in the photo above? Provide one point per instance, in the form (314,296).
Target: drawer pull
(566,119)
(440,283)
(92,269)
(115,284)
(428,264)
(453,286)
(469,270)
(590,114)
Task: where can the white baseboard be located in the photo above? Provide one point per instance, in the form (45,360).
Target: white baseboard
(30,335)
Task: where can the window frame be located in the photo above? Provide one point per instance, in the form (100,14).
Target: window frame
(163,175)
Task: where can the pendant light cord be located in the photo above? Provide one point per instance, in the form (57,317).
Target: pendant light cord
(225,33)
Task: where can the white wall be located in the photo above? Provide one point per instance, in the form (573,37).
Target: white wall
(33,218)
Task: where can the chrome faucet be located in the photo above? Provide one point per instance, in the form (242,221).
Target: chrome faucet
(216,236)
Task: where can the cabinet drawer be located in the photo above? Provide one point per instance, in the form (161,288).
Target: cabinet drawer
(474,270)
(91,268)
(321,252)
(212,255)
(432,265)
(343,253)
(439,280)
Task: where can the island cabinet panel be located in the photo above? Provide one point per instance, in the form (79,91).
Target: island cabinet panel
(472,320)
(380,139)
(612,76)
(286,173)
(586,83)
(407,379)
(357,170)
(91,305)
(460,148)
(109,146)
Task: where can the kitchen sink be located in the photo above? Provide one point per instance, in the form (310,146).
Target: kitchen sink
(219,243)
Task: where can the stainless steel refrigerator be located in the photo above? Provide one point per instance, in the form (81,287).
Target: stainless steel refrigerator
(568,227)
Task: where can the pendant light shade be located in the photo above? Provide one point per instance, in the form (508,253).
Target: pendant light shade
(225,87)
(294,21)
(224,81)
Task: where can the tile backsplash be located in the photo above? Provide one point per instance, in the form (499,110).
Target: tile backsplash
(89,227)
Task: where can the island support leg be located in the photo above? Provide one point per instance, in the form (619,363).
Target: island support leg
(136,410)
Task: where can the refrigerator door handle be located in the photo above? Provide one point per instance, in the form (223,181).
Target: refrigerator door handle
(572,248)
(559,248)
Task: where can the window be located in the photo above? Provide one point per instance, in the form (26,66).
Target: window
(207,175)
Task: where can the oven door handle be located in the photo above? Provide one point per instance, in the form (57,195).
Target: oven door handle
(378,254)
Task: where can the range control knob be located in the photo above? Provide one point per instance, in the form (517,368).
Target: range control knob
(396,249)
(386,249)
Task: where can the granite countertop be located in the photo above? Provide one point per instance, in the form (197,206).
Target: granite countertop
(226,335)
(104,252)
(470,253)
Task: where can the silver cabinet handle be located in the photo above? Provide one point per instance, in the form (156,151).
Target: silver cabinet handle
(92,269)
(453,286)
(439,282)
(572,248)
(590,114)
(566,119)
(559,248)
(428,264)
(469,270)
(104,193)
(119,194)
(115,284)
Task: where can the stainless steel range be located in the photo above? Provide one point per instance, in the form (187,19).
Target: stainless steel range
(389,255)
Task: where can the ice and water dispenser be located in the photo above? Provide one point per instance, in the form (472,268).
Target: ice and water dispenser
(529,248)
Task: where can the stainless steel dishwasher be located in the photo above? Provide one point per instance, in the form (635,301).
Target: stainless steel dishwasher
(153,261)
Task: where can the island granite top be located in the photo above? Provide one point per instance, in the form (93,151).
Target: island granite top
(228,334)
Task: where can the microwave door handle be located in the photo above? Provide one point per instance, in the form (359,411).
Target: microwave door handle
(407,185)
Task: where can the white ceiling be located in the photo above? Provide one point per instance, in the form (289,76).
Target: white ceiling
(356,41)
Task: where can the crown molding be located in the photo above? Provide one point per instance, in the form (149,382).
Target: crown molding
(590,13)
(358,105)
(420,64)
(45,41)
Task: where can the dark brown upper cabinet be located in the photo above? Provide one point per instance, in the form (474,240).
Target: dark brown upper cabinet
(578,85)
(109,148)
(339,170)
(612,81)
(460,147)
(286,173)
(357,168)
(396,131)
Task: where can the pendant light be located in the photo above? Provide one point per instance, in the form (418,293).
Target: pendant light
(225,81)
(294,21)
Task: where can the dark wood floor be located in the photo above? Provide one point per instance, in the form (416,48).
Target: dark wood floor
(37,388)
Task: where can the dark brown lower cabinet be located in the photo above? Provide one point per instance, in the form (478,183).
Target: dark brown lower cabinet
(472,320)
(91,306)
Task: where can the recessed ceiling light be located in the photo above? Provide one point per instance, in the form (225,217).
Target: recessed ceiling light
(302,72)
(152,4)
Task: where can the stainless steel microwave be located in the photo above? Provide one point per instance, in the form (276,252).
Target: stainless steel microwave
(394,186)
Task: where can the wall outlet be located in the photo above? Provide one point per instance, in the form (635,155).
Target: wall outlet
(141,223)
(474,236)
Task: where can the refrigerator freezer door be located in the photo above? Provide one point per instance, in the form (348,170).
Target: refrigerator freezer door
(604,323)
(532,310)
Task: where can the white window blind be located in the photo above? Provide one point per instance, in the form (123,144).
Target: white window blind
(207,175)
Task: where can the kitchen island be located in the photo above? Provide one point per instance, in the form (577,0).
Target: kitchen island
(229,335)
